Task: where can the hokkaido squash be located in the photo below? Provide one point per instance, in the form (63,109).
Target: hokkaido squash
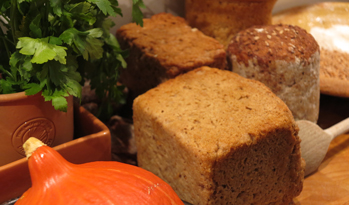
(57,181)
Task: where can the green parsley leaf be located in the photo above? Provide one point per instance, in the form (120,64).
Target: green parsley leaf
(6,86)
(41,50)
(55,40)
(84,12)
(112,41)
(122,60)
(32,88)
(57,7)
(87,43)
(55,72)
(137,15)
(73,87)
(104,6)
(35,29)
(58,99)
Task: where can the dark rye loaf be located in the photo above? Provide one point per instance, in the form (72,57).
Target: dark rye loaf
(163,48)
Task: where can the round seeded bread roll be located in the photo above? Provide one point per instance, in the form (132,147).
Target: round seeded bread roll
(328,22)
(286,59)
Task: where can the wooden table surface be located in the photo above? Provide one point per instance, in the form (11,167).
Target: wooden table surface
(330,184)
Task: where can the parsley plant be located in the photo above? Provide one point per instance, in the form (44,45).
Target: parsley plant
(53,45)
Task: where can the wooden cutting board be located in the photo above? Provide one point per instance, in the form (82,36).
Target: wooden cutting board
(330,184)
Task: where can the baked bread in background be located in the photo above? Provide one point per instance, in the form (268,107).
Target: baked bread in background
(219,138)
(223,19)
(163,48)
(328,22)
(286,59)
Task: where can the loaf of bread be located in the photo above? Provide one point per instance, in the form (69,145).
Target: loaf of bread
(223,19)
(163,48)
(328,22)
(219,138)
(286,59)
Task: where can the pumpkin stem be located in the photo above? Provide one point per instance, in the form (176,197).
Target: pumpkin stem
(31,145)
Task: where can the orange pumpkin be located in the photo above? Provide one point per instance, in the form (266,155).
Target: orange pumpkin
(57,181)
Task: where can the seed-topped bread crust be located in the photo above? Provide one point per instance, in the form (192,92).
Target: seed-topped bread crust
(286,59)
(270,43)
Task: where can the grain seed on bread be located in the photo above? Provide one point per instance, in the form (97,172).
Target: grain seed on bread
(286,59)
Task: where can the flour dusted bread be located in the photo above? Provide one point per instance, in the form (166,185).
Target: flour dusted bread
(328,22)
(223,19)
(219,138)
(286,59)
(163,48)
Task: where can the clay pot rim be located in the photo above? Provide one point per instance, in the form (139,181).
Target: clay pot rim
(16,96)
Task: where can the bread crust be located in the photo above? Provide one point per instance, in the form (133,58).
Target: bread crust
(163,48)
(286,59)
(209,136)
(223,19)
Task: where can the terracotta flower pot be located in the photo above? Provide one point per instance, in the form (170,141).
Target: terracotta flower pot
(24,116)
(223,19)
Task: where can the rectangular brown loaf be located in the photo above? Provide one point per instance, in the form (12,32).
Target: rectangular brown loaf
(223,19)
(219,138)
(163,48)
